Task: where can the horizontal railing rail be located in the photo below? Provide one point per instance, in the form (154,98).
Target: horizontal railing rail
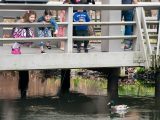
(35,39)
(79,6)
(39,24)
(38,39)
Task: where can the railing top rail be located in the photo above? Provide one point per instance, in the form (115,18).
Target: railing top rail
(36,24)
(5,40)
(35,39)
(79,6)
(40,24)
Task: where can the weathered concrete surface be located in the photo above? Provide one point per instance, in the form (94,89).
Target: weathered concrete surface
(31,58)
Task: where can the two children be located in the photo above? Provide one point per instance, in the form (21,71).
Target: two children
(28,32)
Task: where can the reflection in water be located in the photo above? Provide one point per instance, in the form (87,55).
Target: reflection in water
(71,107)
(75,107)
(8,110)
(122,113)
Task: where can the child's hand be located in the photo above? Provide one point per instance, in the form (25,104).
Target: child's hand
(43,22)
(21,20)
(56,32)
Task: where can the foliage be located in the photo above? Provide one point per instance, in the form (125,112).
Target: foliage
(140,70)
(145,76)
(82,84)
(76,81)
(137,89)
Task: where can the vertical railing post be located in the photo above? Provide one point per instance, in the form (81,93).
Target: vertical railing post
(144,24)
(158,40)
(1,30)
(137,30)
(69,43)
(158,46)
(140,35)
(136,43)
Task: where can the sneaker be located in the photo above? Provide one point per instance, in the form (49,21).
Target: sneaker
(78,50)
(15,51)
(49,47)
(127,48)
(86,50)
(43,51)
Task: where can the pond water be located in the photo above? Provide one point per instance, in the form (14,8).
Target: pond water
(87,101)
(76,107)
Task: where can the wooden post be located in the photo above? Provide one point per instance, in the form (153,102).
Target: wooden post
(65,81)
(112,89)
(23,83)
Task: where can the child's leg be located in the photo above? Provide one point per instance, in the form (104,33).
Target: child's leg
(42,47)
(78,33)
(85,33)
(16,45)
(41,44)
(78,46)
(48,44)
(86,44)
(48,33)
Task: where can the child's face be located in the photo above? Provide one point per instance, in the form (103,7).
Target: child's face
(47,18)
(32,18)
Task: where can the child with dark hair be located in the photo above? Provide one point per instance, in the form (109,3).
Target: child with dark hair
(23,32)
(46,31)
(81,30)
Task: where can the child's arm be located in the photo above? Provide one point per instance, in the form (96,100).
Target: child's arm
(75,18)
(53,22)
(41,19)
(87,18)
